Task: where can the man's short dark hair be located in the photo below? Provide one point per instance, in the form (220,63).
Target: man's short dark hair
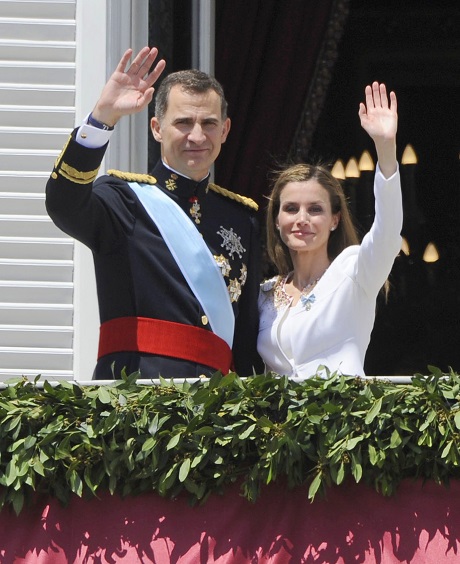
(191,80)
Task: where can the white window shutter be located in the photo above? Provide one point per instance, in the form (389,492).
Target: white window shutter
(37,110)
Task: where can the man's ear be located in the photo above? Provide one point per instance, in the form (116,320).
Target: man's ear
(225,129)
(156,129)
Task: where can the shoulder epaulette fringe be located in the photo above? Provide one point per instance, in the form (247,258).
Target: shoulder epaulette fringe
(237,197)
(268,285)
(133,176)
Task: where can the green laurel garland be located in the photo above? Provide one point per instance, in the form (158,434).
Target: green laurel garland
(196,438)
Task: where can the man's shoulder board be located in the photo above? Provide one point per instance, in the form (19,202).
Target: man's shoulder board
(236,197)
(132,176)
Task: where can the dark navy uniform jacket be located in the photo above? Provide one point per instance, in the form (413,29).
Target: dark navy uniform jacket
(136,274)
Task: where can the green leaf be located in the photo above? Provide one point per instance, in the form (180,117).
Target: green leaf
(12,423)
(29,442)
(373,457)
(18,502)
(103,395)
(149,445)
(351,443)
(357,471)
(395,440)
(373,412)
(184,470)
(16,445)
(10,474)
(457,419)
(247,432)
(205,431)
(154,425)
(314,486)
(340,474)
(173,441)
(76,484)
(88,479)
(110,422)
(431,417)
(446,449)
(168,479)
(38,467)
(265,424)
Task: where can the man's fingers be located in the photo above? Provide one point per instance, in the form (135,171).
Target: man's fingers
(124,60)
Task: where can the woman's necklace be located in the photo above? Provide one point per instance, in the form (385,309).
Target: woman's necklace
(309,287)
(282,298)
(306,296)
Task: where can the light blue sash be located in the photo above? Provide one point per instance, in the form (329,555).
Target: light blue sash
(192,256)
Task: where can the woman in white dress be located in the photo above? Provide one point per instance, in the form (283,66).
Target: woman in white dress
(318,313)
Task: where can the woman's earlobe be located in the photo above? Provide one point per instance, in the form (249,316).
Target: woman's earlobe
(334,227)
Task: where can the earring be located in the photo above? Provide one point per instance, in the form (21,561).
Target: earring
(332,228)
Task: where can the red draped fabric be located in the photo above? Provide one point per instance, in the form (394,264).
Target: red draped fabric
(420,524)
(266,53)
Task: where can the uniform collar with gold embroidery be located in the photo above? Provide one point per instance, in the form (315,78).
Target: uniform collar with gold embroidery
(177,184)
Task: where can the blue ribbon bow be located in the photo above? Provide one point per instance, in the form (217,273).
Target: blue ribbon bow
(307,301)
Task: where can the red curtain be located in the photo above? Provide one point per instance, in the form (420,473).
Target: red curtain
(266,54)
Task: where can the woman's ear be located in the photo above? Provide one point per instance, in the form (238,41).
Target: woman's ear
(336,221)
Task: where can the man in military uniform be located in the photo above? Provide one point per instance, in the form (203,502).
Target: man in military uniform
(176,257)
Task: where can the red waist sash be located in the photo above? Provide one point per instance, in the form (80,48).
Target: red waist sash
(165,338)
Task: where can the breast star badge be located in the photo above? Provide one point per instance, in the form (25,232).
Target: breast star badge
(231,242)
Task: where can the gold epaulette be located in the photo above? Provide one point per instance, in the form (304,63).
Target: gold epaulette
(133,176)
(237,197)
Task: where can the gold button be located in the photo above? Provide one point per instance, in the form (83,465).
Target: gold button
(84,136)
(204,320)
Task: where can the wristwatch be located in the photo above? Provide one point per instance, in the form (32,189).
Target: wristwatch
(96,123)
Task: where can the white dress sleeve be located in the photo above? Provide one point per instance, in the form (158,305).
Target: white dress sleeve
(382,243)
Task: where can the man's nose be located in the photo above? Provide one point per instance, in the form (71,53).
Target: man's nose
(196,134)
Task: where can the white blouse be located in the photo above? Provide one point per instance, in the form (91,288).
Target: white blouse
(332,330)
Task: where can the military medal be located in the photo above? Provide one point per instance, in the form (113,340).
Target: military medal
(195,209)
(234,289)
(223,264)
(243,274)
